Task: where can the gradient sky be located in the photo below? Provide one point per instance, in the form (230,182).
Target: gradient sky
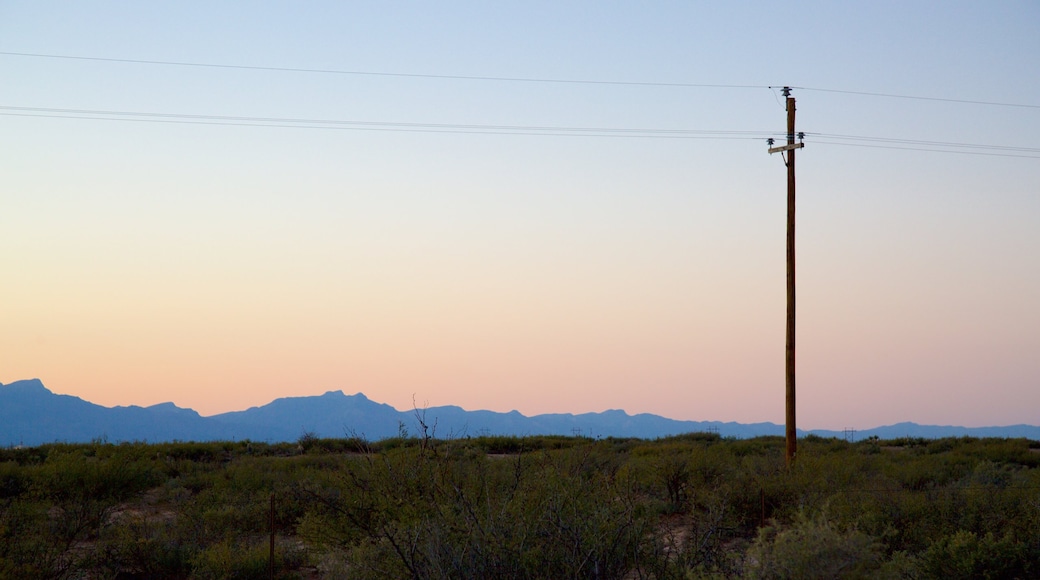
(220,267)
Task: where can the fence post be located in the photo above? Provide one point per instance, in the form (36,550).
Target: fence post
(271,554)
(762,496)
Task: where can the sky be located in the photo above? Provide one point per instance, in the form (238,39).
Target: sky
(541,206)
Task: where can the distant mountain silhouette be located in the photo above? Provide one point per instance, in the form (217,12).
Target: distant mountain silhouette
(30,414)
(330,415)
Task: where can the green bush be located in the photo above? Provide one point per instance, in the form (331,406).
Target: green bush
(13,480)
(810,548)
(688,506)
(146,548)
(231,560)
(412,513)
(966,555)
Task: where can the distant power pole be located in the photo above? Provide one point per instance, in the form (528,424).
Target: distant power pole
(790,147)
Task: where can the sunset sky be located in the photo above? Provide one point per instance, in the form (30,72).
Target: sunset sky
(403,199)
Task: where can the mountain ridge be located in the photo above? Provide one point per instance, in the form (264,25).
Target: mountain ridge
(31,414)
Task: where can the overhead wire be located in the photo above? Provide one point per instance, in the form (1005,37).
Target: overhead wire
(385,74)
(487,129)
(529,130)
(228,120)
(925,145)
(511,79)
(474,131)
(932,150)
(922,142)
(920,98)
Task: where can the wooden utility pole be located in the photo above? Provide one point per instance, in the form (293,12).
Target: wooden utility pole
(790,430)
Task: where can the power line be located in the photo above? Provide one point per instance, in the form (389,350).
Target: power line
(919,98)
(304,121)
(529,130)
(924,142)
(387,129)
(508,79)
(385,74)
(298,123)
(961,152)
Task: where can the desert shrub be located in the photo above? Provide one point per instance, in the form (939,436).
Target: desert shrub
(145,548)
(1013,452)
(523,507)
(673,470)
(586,521)
(84,491)
(814,444)
(237,560)
(812,547)
(13,480)
(28,548)
(321,445)
(692,437)
(758,446)
(501,444)
(966,555)
(667,473)
(415,513)
(908,442)
(73,477)
(703,543)
(194,452)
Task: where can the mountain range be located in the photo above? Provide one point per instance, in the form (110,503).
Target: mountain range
(30,414)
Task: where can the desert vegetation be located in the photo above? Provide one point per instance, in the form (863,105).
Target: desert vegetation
(691,506)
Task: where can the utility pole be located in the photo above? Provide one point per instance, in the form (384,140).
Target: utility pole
(790,430)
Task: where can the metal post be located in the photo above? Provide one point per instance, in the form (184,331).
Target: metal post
(271,554)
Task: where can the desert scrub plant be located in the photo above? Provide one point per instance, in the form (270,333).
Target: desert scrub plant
(812,547)
(28,549)
(669,473)
(702,437)
(244,560)
(13,480)
(83,491)
(965,555)
(588,524)
(415,513)
(139,546)
(700,544)
(555,507)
